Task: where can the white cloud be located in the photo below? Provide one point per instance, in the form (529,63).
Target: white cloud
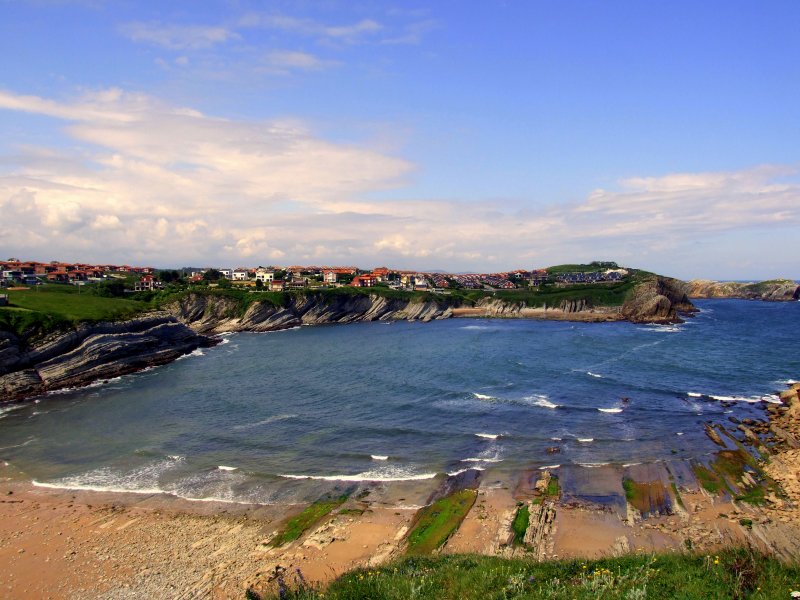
(287,60)
(177,37)
(350,33)
(144,181)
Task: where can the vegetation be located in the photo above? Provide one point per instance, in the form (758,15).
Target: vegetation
(437,522)
(50,307)
(520,524)
(734,573)
(310,516)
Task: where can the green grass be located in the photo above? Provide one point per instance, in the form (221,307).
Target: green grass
(311,515)
(520,524)
(707,478)
(437,522)
(734,573)
(553,489)
(53,307)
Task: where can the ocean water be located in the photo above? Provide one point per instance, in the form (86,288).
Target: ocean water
(260,417)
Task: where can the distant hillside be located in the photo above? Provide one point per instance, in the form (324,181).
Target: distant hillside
(776,290)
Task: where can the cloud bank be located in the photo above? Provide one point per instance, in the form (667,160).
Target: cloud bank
(143,181)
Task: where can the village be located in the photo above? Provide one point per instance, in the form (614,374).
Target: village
(15,272)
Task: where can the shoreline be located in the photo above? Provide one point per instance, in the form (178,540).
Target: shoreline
(111,544)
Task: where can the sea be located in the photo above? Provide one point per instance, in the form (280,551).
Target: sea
(260,416)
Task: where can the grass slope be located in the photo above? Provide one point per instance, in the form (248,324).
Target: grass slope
(735,573)
(59,306)
(310,516)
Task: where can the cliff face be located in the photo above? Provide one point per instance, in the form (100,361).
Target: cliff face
(780,290)
(91,352)
(215,314)
(655,300)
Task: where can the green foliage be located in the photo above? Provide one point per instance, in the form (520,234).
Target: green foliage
(734,573)
(520,524)
(437,522)
(109,288)
(53,307)
(310,516)
(553,489)
(212,275)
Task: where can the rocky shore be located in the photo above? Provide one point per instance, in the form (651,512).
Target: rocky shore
(778,290)
(97,351)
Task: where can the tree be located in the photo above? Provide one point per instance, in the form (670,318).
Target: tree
(109,288)
(212,275)
(259,284)
(168,276)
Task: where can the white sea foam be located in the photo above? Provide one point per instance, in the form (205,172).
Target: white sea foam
(267,421)
(541,400)
(679,433)
(460,471)
(489,436)
(477,327)
(483,396)
(694,394)
(585,440)
(225,341)
(549,467)
(556,439)
(593,465)
(4,410)
(225,468)
(626,465)
(197,352)
(590,374)
(22,445)
(610,410)
(478,459)
(378,457)
(142,480)
(383,474)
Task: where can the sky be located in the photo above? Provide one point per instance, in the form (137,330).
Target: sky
(448,135)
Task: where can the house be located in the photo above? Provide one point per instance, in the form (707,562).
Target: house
(58,277)
(276,285)
(147,283)
(330,276)
(226,273)
(240,275)
(264,275)
(297,283)
(364,281)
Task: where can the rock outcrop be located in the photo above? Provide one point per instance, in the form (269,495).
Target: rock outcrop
(777,290)
(657,300)
(215,314)
(90,352)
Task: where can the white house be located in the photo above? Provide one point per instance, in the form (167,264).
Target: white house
(330,276)
(264,275)
(239,275)
(227,273)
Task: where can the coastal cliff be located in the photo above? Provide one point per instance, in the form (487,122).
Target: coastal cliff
(776,290)
(214,314)
(89,352)
(655,299)
(92,351)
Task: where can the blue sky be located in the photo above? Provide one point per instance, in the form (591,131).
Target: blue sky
(442,135)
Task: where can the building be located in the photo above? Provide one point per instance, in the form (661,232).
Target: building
(330,276)
(227,273)
(276,285)
(240,275)
(265,275)
(147,283)
(364,281)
